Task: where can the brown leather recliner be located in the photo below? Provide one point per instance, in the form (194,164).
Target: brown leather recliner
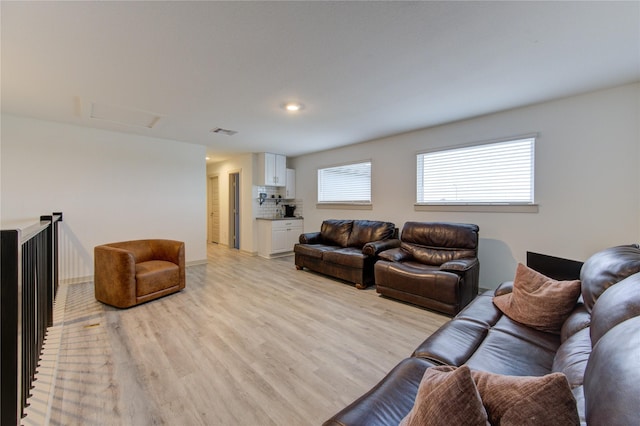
(132,272)
(435,266)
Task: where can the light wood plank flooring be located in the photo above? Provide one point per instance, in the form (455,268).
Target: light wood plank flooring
(249,341)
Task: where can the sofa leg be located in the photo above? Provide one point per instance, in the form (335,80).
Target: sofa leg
(299,268)
(360,286)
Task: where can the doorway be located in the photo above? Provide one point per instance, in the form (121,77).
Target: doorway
(214,210)
(234,210)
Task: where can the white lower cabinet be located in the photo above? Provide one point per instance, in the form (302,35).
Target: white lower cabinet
(277,237)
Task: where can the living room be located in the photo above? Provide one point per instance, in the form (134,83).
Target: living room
(117,182)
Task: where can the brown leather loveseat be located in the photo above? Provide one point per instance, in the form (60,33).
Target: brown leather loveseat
(345,249)
(434,266)
(597,350)
(132,272)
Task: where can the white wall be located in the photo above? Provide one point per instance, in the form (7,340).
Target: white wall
(587,180)
(244,165)
(110,186)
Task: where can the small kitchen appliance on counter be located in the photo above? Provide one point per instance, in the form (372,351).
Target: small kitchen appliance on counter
(289,209)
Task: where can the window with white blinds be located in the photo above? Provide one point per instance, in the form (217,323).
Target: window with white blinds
(349,183)
(492,173)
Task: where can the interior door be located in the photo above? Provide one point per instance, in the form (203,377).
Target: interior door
(234,207)
(214,210)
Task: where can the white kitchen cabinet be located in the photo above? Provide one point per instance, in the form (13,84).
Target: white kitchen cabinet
(290,186)
(272,169)
(277,237)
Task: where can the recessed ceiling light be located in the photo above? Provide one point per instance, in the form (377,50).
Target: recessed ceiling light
(293,106)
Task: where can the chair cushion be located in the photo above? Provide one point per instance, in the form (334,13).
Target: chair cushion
(539,301)
(156,275)
(417,279)
(441,234)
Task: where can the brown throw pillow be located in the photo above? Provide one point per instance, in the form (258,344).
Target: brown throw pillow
(523,401)
(446,396)
(539,301)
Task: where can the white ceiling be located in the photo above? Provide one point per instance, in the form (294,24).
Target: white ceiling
(364,70)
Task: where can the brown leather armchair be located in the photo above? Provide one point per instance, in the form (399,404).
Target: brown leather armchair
(132,272)
(435,265)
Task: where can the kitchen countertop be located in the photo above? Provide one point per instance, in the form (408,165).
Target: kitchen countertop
(280,218)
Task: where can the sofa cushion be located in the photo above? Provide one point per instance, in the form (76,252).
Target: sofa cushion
(579,319)
(617,304)
(313,250)
(389,400)
(336,232)
(521,401)
(611,390)
(453,343)
(481,310)
(606,268)
(446,396)
(572,356)
(156,275)
(350,256)
(539,301)
(364,231)
(502,352)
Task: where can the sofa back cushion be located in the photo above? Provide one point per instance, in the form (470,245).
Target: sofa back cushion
(619,303)
(605,268)
(434,243)
(365,231)
(336,232)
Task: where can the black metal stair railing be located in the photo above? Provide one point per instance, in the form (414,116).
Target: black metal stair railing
(29,283)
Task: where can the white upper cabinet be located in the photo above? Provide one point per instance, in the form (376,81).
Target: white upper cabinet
(272,169)
(290,188)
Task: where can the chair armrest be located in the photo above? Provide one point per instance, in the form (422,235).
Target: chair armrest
(504,288)
(395,255)
(115,276)
(373,248)
(310,238)
(459,265)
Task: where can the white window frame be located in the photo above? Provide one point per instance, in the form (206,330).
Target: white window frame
(520,202)
(324,201)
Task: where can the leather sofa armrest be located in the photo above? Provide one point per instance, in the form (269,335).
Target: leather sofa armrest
(504,288)
(373,248)
(459,265)
(310,238)
(395,255)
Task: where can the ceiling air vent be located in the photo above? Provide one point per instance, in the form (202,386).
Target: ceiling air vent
(222,131)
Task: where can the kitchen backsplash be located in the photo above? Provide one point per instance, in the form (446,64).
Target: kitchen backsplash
(269,209)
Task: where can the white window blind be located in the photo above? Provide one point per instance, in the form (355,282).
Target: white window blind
(493,173)
(349,183)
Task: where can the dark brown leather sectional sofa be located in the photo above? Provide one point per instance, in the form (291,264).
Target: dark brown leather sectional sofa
(598,349)
(345,249)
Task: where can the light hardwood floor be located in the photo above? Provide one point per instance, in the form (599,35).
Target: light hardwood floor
(249,341)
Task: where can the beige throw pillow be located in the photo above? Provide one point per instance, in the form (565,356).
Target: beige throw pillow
(538,301)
